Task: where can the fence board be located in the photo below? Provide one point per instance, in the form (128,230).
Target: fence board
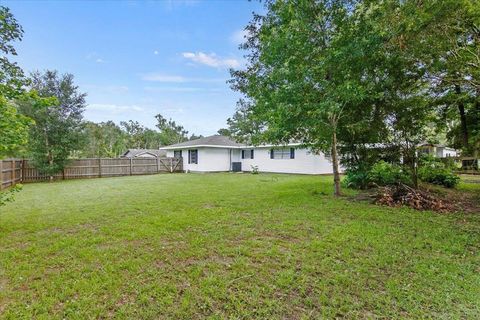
(10,172)
(13,171)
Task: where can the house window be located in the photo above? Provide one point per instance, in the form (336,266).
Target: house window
(177,154)
(247,154)
(193,156)
(282,153)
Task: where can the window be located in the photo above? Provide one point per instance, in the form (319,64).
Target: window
(193,156)
(247,154)
(282,153)
(177,154)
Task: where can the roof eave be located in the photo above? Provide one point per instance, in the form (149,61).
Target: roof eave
(229,147)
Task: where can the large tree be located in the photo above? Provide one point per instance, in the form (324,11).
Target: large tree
(12,78)
(301,80)
(354,73)
(13,126)
(58,127)
(170,131)
(105,139)
(13,129)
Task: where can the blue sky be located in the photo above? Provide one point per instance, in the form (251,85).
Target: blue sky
(137,59)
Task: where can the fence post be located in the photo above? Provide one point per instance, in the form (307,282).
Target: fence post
(24,169)
(1,174)
(158,164)
(99,167)
(12,172)
(131,165)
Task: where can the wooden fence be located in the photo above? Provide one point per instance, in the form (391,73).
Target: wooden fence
(10,172)
(13,171)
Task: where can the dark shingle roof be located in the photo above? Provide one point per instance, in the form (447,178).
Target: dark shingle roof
(216,140)
(132,153)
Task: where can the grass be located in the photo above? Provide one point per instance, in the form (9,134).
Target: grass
(235,246)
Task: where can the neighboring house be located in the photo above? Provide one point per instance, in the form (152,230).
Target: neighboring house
(437,150)
(144,153)
(219,153)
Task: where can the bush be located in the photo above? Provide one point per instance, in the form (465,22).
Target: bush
(356,179)
(381,174)
(254,169)
(434,171)
(384,173)
(9,195)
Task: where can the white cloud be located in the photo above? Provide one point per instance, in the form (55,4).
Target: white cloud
(155,52)
(158,77)
(211,60)
(93,56)
(114,109)
(109,89)
(181,89)
(238,36)
(161,77)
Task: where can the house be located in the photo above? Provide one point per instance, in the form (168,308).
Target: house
(437,150)
(144,153)
(220,153)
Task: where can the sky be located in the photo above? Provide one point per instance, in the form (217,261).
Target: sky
(137,59)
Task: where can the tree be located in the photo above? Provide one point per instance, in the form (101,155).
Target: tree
(135,133)
(353,73)
(13,128)
(11,75)
(224,132)
(170,131)
(104,139)
(58,127)
(297,84)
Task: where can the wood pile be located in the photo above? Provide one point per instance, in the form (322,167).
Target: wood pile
(401,194)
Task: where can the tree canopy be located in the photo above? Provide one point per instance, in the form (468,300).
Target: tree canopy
(356,72)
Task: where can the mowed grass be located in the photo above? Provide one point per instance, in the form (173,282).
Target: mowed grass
(236,246)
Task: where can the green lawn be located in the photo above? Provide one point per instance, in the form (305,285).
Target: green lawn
(235,246)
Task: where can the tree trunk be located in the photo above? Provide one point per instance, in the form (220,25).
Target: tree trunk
(49,154)
(414,169)
(463,118)
(336,173)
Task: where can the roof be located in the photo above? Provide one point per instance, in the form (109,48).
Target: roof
(426,144)
(215,141)
(133,153)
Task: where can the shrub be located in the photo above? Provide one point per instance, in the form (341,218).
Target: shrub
(384,173)
(434,171)
(381,174)
(9,195)
(356,179)
(254,169)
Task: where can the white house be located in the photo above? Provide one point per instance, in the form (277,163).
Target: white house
(219,153)
(437,150)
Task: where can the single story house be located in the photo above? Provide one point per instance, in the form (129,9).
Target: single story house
(144,153)
(437,150)
(219,153)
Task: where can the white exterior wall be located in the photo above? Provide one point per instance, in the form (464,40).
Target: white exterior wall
(305,162)
(209,159)
(219,159)
(447,152)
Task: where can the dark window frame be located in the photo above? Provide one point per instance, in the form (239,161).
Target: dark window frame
(176,153)
(193,159)
(248,154)
(285,153)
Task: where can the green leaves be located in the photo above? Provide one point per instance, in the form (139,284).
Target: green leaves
(13,128)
